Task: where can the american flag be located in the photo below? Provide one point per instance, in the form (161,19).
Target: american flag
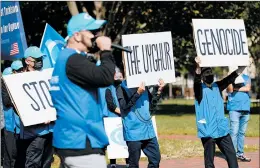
(14,49)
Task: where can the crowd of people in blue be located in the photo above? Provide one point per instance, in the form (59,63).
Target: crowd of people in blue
(85,90)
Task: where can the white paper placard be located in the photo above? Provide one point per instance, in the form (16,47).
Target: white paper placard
(117,147)
(221,42)
(150,60)
(30,94)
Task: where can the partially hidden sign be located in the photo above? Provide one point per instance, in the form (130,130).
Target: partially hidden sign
(13,41)
(150,60)
(117,147)
(30,94)
(221,42)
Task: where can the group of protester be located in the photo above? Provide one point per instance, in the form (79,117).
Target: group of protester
(85,90)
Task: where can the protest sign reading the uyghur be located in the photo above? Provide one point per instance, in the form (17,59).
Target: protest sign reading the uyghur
(13,41)
(150,60)
(221,42)
(51,45)
(30,94)
(117,147)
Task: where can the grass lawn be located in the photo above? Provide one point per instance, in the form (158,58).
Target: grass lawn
(179,101)
(171,148)
(184,124)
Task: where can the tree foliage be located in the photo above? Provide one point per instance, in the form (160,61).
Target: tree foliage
(141,17)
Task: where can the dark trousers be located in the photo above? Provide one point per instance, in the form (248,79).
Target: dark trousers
(10,149)
(38,152)
(150,148)
(113,161)
(226,147)
(2,146)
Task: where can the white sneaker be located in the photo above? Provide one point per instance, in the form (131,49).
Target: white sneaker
(113,166)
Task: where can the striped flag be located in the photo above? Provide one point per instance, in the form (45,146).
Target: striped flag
(14,49)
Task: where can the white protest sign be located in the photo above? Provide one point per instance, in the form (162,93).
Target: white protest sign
(150,60)
(30,94)
(117,147)
(221,42)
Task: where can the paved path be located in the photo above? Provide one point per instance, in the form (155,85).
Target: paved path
(198,162)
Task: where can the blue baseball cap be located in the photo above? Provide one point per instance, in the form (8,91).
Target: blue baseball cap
(17,65)
(83,21)
(7,71)
(33,52)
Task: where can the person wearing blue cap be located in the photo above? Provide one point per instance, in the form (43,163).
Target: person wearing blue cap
(238,106)
(212,125)
(12,124)
(37,139)
(79,135)
(17,66)
(7,71)
(33,59)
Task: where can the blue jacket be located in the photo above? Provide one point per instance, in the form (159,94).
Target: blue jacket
(239,101)
(78,114)
(102,98)
(12,121)
(210,117)
(137,123)
(103,103)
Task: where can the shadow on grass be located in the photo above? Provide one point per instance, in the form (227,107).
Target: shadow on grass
(179,110)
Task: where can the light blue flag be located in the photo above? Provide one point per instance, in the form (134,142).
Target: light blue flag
(52,43)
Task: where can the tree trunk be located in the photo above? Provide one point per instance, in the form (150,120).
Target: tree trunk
(125,23)
(99,10)
(170,90)
(72,7)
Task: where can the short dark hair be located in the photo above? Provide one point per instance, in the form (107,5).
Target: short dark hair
(204,69)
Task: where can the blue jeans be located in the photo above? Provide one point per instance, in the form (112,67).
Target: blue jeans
(238,125)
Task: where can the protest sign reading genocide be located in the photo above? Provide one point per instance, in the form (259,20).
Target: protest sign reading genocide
(150,60)
(13,41)
(221,42)
(30,94)
(117,147)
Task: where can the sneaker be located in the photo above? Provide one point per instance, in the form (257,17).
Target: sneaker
(113,166)
(243,158)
